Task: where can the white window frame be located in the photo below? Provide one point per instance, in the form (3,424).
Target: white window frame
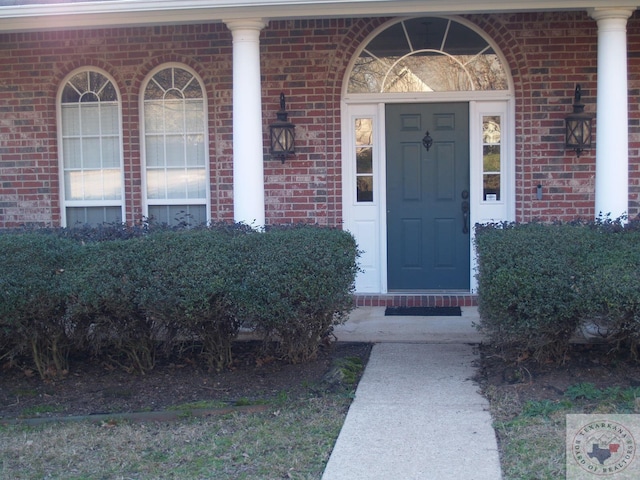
(64,203)
(146,201)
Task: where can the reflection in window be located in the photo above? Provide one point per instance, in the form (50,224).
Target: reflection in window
(427,55)
(91,152)
(491,158)
(175,148)
(364,159)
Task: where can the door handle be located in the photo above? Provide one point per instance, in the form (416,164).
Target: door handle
(427,141)
(465,216)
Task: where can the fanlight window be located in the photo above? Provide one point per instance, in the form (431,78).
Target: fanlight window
(427,55)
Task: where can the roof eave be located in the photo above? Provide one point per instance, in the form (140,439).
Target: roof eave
(120,13)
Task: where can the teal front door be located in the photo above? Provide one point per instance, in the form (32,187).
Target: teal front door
(428,231)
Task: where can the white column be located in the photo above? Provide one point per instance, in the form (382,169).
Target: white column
(248,169)
(612,140)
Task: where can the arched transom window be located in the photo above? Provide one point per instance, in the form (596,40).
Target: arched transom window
(427,55)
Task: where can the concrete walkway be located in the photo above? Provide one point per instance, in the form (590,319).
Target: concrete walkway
(417,414)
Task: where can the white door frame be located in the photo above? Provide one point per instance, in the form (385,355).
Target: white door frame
(368,221)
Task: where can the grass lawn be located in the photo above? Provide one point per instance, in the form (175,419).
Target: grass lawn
(531,434)
(291,439)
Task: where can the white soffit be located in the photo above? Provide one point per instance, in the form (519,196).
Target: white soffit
(40,15)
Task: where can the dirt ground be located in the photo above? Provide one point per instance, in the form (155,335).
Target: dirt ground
(91,388)
(584,363)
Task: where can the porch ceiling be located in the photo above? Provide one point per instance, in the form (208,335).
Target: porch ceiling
(40,15)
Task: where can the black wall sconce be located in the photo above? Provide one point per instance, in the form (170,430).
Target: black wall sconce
(282,134)
(578,125)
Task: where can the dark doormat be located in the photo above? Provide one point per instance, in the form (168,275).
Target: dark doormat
(423,311)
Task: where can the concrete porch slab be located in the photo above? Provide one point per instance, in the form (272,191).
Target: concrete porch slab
(369,324)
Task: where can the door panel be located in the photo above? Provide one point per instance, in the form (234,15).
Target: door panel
(427,239)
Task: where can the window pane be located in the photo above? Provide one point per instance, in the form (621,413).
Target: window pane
(491,186)
(91,153)
(153,117)
(196,183)
(195,116)
(70,120)
(190,215)
(491,158)
(73,185)
(110,124)
(491,129)
(110,152)
(364,160)
(93,184)
(174,116)
(79,216)
(72,151)
(154,151)
(364,131)
(90,118)
(112,185)
(365,189)
(176,184)
(195,150)
(174,145)
(156,184)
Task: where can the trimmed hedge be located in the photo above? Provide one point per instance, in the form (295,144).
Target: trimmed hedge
(540,283)
(35,294)
(130,296)
(296,286)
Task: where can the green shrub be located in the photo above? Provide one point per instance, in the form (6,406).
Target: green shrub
(35,298)
(537,283)
(296,285)
(614,289)
(190,274)
(131,294)
(111,282)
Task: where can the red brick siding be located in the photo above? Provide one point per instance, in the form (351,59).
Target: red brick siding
(548,53)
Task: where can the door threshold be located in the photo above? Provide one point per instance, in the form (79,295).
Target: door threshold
(430,292)
(422,298)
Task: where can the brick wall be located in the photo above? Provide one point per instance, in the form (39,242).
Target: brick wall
(306,59)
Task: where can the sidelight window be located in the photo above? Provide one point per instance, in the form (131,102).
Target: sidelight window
(491,157)
(364,159)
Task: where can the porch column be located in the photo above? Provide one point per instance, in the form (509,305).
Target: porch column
(612,141)
(248,169)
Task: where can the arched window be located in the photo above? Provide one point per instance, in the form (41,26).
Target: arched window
(175,147)
(90,150)
(427,55)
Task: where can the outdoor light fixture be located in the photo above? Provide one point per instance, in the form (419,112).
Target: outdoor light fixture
(282,134)
(578,126)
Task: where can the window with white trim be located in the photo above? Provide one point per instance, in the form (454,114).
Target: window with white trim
(427,55)
(175,147)
(364,160)
(90,150)
(491,158)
